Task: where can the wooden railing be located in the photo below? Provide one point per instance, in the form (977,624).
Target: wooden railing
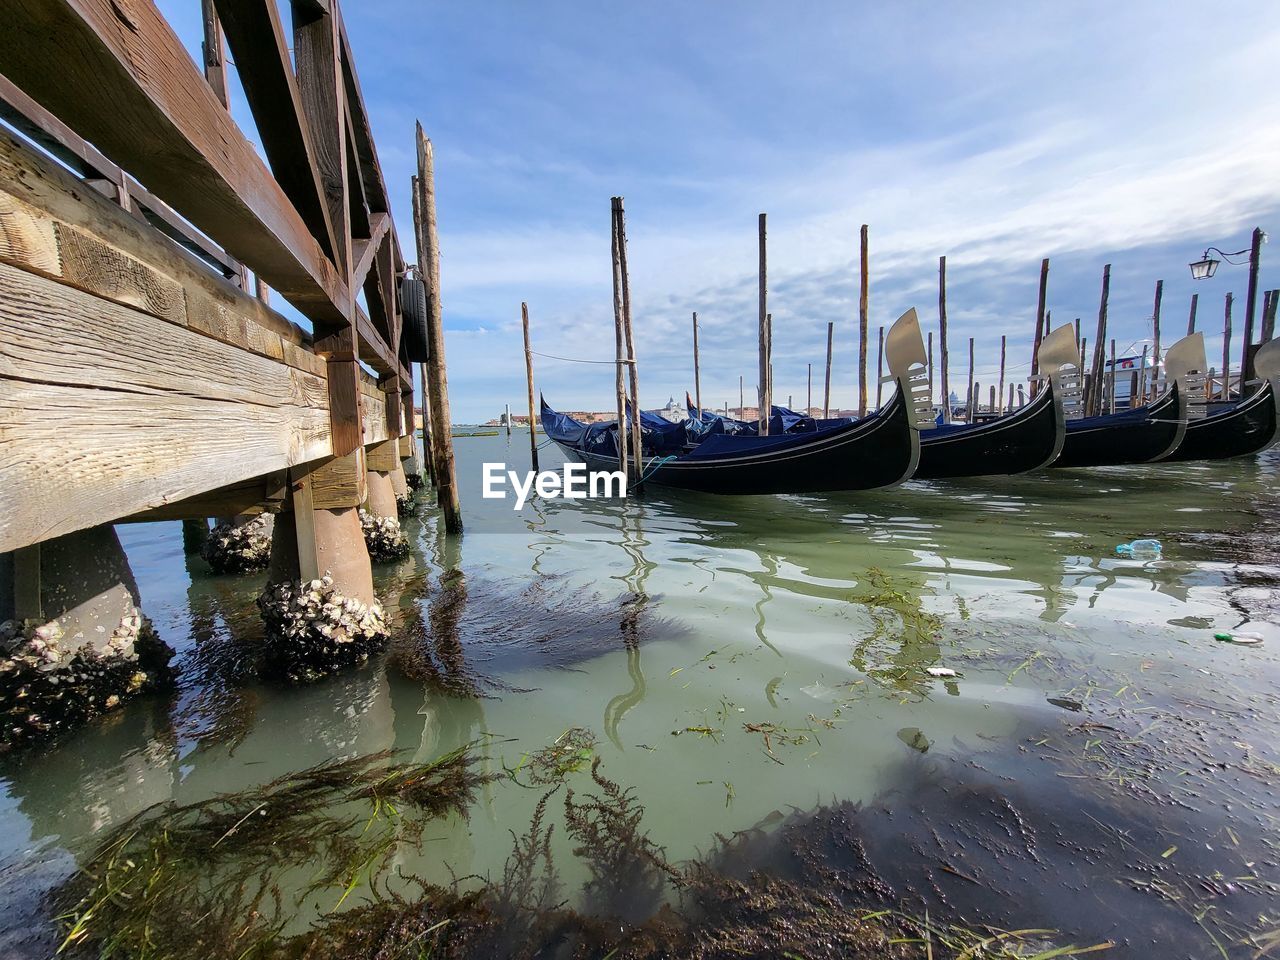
(152,370)
(315,225)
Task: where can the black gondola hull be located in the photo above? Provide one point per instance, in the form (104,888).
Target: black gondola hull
(880,451)
(1248,428)
(1025,440)
(1121,439)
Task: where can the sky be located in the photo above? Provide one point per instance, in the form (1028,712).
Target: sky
(995,134)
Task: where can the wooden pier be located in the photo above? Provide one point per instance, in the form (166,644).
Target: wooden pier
(141,378)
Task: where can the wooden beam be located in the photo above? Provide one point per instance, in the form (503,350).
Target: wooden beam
(126,83)
(295,151)
(106,411)
(248,497)
(863,281)
(364,250)
(213,53)
(58,229)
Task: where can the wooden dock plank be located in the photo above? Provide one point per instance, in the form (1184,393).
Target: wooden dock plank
(106,411)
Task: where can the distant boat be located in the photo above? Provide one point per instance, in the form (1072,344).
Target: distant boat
(1147,433)
(1027,439)
(1248,426)
(880,450)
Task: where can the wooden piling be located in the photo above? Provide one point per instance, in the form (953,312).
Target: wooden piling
(1022,395)
(943,357)
(1155,329)
(1092,404)
(1040,324)
(862,323)
(637,438)
(763,348)
(1191,317)
(697,372)
(808,404)
(969,394)
(880,367)
(1140,399)
(619,345)
(1269,316)
(429,266)
(506,417)
(428,460)
(928,359)
(1226,350)
(1250,304)
(826,389)
(1011,397)
(528,373)
(1003,348)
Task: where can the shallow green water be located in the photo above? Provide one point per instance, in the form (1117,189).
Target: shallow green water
(736,658)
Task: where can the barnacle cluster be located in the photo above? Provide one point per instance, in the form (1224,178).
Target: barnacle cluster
(383,537)
(48,685)
(312,630)
(239,549)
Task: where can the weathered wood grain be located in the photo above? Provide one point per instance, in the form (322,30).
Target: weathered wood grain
(338,482)
(383,457)
(106,411)
(126,83)
(53,192)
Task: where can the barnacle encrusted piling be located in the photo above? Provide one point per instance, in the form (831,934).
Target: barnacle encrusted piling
(239,549)
(313,631)
(49,684)
(383,537)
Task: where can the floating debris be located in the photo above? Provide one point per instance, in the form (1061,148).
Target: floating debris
(48,686)
(383,537)
(241,548)
(941,672)
(914,738)
(312,630)
(1242,639)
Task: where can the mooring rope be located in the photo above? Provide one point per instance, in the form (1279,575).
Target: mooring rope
(655,466)
(576,359)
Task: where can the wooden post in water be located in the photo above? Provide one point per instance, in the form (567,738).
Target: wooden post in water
(1191,318)
(429,266)
(428,459)
(741,400)
(943,358)
(528,372)
(862,323)
(637,438)
(1269,316)
(1155,334)
(929,360)
(992,400)
(1040,302)
(1011,397)
(506,417)
(1250,304)
(1226,350)
(619,344)
(697,373)
(970,402)
(1092,402)
(1022,395)
(808,404)
(1003,347)
(1142,379)
(826,389)
(765,398)
(880,367)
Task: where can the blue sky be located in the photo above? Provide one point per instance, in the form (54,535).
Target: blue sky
(996,134)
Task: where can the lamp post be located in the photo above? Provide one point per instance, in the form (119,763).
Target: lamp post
(1207,266)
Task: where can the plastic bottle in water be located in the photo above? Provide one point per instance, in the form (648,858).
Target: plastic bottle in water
(1140,550)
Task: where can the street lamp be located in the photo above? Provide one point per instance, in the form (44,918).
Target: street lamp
(1206,266)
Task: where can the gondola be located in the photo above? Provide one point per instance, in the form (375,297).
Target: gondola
(1247,427)
(1027,439)
(878,451)
(1146,433)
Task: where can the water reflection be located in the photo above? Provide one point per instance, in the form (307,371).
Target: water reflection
(672,613)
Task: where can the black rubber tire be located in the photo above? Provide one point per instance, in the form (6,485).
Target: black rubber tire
(413,307)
